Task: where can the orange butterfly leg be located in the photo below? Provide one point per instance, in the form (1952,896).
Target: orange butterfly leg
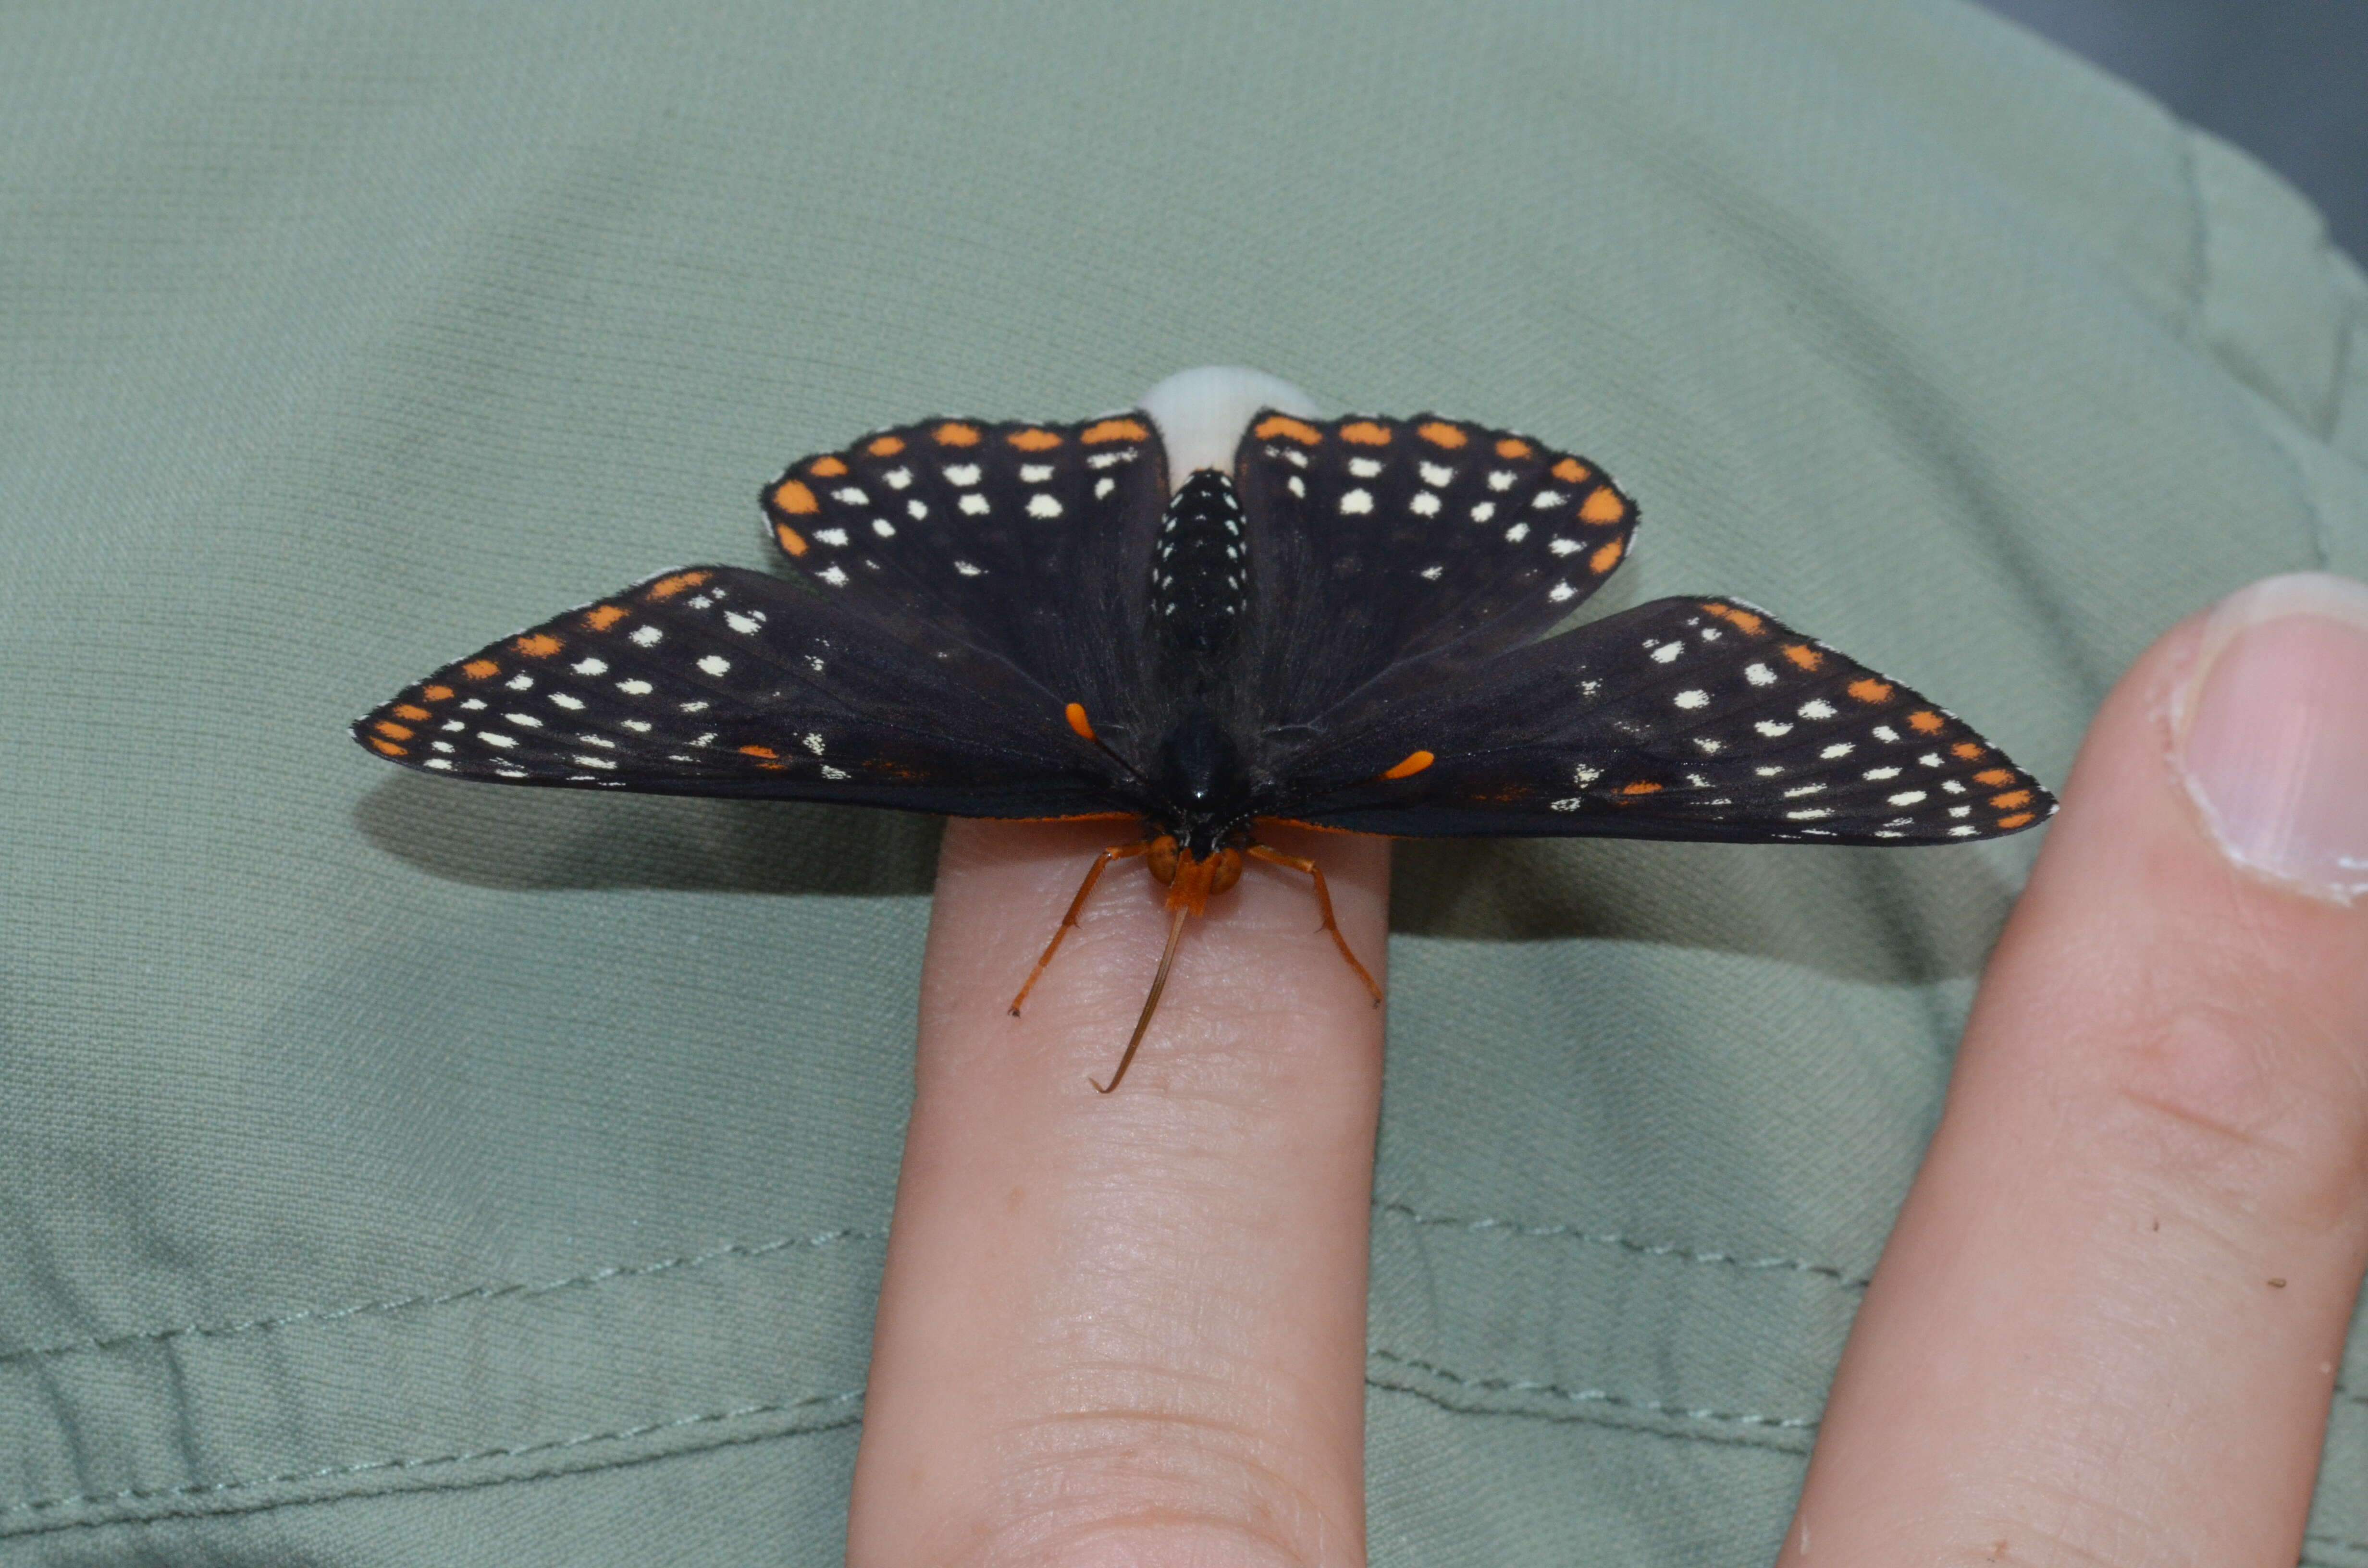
(1093,875)
(1322,901)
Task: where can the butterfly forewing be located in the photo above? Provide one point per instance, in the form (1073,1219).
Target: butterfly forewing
(1029,542)
(1684,719)
(1374,542)
(713,680)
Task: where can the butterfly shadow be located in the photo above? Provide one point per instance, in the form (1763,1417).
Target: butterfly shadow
(525,839)
(1875,917)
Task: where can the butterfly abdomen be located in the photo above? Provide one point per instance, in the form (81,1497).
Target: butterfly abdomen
(1199,578)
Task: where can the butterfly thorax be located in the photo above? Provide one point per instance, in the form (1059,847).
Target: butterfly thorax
(1200,784)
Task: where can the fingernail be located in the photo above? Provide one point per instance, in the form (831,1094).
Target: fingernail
(2273,730)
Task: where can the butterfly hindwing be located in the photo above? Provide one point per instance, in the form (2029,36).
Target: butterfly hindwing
(714,680)
(1375,541)
(1684,719)
(1030,542)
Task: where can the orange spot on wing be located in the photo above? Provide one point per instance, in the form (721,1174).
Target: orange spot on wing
(1310,827)
(1870,690)
(791,541)
(1602,505)
(884,445)
(481,669)
(794,498)
(1440,433)
(1107,430)
(1993,777)
(538,645)
(396,731)
(1514,446)
(599,618)
(2010,800)
(1033,440)
(1299,430)
(758,751)
(1924,721)
(388,747)
(434,693)
(2018,820)
(1743,621)
(1075,714)
(953,433)
(667,587)
(827,468)
(1964,751)
(1803,655)
(1642,787)
(1570,470)
(1606,557)
(412,711)
(1365,433)
(1081,816)
(1416,761)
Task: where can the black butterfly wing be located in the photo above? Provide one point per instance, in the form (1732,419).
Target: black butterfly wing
(1682,719)
(1376,541)
(713,680)
(1030,543)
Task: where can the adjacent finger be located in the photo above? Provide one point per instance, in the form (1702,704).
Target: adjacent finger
(2106,1326)
(1129,1327)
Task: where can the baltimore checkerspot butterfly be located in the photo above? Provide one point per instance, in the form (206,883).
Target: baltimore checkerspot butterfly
(1210,611)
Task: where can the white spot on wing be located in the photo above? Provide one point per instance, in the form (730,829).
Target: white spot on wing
(834,576)
(1035,473)
(1356,503)
(973,503)
(1667,650)
(591,667)
(715,664)
(967,570)
(1560,592)
(1363,468)
(1042,505)
(562,700)
(962,473)
(648,636)
(1692,698)
(1517,533)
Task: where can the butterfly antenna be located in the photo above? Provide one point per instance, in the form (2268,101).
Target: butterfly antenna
(1150,1003)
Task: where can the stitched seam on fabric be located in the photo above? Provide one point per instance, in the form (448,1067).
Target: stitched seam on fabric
(1627,1244)
(1597,1396)
(737,1251)
(369,1467)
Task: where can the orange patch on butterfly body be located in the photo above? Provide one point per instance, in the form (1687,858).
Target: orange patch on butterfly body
(1570,470)
(884,445)
(1514,446)
(1870,690)
(538,645)
(1108,430)
(830,468)
(1642,787)
(434,693)
(2010,800)
(1440,433)
(599,618)
(1743,621)
(1299,430)
(481,669)
(1925,721)
(791,541)
(2018,820)
(388,747)
(1033,440)
(1602,505)
(1414,763)
(1803,655)
(1606,557)
(758,751)
(393,731)
(411,710)
(667,587)
(794,498)
(1993,777)
(1075,714)
(953,433)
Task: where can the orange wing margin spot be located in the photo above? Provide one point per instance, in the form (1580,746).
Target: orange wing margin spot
(481,669)
(830,468)
(539,646)
(394,732)
(388,747)
(1416,761)
(794,498)
(1107,430)
(2018,820)
(1993,777)
(1642,787)
(884,445)
(1965,751)
(1075,714)
(1299,430)
(412,711)
(1365,433)
(1033,440)
(1440,433)
(1870,690)
(791,541)
(2010,800)
(953,433)
(1606,557)
(599,618)
(1743,621)
(1514,446)
(1803,655)
(1602,505)
(434,693)
(758,751)
(1924,721)
(1570,470)
(667,587)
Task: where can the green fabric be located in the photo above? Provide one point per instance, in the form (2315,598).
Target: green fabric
(511,1169)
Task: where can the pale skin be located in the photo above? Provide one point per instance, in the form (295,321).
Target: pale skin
(1128,1330)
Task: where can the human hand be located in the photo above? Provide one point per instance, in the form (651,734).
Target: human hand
(1130,1330)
